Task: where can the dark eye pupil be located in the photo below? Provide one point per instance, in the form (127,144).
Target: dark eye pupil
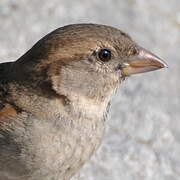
(104,55)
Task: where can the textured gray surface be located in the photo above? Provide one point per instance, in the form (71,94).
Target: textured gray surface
(142,141)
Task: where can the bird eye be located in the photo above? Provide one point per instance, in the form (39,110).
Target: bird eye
(104,55)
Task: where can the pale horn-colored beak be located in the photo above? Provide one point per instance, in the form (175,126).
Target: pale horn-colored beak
(145,61)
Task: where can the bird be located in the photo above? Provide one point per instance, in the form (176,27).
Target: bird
(55,98)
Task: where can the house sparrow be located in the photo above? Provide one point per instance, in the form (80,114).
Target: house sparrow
(55,98)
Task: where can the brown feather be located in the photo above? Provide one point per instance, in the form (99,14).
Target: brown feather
(7,112)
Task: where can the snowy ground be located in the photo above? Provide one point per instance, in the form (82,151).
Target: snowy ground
(143,132)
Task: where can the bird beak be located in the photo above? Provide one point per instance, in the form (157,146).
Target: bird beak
(145,61)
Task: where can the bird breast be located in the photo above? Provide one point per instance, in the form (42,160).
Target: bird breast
(57,146)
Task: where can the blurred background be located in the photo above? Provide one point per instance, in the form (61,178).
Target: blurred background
(142,140)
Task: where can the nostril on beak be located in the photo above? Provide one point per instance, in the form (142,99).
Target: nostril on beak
(144,61)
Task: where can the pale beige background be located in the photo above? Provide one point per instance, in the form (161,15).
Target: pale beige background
(143,135)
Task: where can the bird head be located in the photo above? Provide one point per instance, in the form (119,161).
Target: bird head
(86,59)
